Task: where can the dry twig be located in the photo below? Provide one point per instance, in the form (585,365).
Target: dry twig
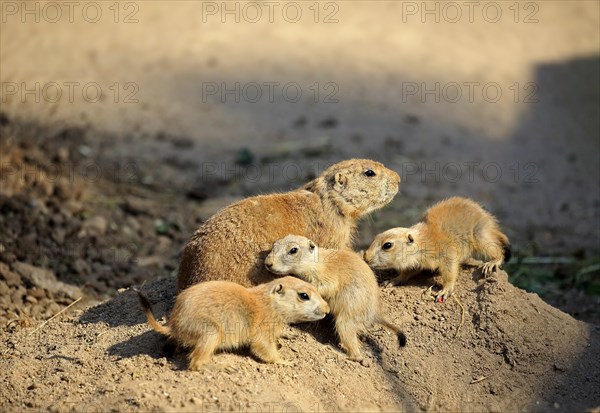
(54,316)
(462,315)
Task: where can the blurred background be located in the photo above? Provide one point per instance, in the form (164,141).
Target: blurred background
(126,124)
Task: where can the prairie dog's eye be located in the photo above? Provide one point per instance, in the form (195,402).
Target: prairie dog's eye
(293,251)
(370,173)
(304,296)
(386,246)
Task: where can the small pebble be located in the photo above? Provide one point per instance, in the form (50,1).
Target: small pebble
(84,150)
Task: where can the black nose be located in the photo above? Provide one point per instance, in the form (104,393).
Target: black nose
(268,264)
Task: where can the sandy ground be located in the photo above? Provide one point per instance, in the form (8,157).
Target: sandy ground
(513,353)
(67,238)
(99,193)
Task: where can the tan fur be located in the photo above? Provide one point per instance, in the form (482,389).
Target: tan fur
(454,232)
(232,244)
(223,315)
(342,278)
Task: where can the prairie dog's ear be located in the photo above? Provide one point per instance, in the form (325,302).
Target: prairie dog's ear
(278,289)
(311,245)
(340,180)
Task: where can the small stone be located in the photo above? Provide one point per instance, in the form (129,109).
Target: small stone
(160,226)
(84,150)
(81,266)
(133,223)
(8,257)
(43,278)
(17,296)
(137,206)
(163,243)
(96,225)
(59,235)
(128,232)
(4,290)
(73,206)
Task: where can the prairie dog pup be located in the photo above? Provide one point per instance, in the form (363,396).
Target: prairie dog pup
(343,279)
(232,244)
(223,315)
(452,232)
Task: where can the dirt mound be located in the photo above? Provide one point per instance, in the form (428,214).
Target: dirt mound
(513,353)
(72,236)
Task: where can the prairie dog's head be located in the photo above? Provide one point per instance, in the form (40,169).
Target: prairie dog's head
(356,186)
(296,301)
(292,254)
(396,248)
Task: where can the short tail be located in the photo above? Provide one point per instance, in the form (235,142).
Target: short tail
(150,316)
(399,333)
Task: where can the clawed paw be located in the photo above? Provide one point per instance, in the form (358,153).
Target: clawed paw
(443,295)
(428,292)
(489,267)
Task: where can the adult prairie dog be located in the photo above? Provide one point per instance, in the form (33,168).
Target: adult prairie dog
(343,279)
(232,244)
(452,232)
(223,315)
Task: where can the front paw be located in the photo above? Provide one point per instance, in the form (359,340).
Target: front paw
(356,357)
(489,267)
(394,282)
(443,295)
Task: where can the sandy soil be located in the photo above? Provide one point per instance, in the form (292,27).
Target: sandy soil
(513,353)
(68,238)
(97,196)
